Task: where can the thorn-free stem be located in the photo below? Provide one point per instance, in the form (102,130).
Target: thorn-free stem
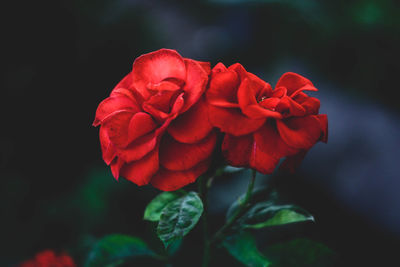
(203,192)
(243,206)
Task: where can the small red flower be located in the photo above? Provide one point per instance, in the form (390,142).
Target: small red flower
(154,126)
(263,125)
(48,258)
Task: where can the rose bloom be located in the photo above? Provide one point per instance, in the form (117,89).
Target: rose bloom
(154,126)
(261,124)
(48,258)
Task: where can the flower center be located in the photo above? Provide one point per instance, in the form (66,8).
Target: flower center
(268,102)
(262,99)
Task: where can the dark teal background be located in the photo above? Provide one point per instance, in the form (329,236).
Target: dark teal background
(61,58)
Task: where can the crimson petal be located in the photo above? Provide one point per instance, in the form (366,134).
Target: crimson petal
(155,67)
(138,148)
(311,105)
(107,148)
(293,82)
(218,68)
(191,126)
(141,171)
(232,121)
(179,156)
(113,104)
(126,82)
(195,85)
(323,120)
(291,163)
(116,165)
(288,107)
(267,139)
(248,103)
(222,90)
(205,65)
(140,124)
(237,150)
(261,161)
(300,132)
(167,180)
(117,127)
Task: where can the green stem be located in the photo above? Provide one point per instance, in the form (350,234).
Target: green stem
(203,192)
(219,235)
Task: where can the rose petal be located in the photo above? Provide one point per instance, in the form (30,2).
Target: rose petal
(294,82)
(205,65)
(240,70)
(248,103)
(141,171)
(160,104)
(279,92)
(156,113)
(323,120)
(116,165)
(261,161)
(146,143)
(232,121)
(245,151)
(220,67)
(107,148)
(288,108)
(306,87)
(167,180)
(258,112)
(270,103)
(267,139)
(300,132)
(117,127)
(130,93)
(195,83)
(177,107)
(222,90)
(126,82)
(156,66)
(311,105)
(292,163)
(300,97)
(237,150)
(138,148)
(191,126)
(179,156)
(140,124)
(113,104)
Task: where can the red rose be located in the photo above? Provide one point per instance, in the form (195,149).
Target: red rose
(262,125)
(48,258)
(154,126)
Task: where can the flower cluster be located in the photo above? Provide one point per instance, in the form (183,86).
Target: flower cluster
(161,123)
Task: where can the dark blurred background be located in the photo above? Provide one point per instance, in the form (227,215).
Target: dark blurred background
(61,58)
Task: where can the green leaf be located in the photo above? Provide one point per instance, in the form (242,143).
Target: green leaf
(267,214)
(267,209)
(179,217)
(284,216)
(243,247)
(174,247)
(154,208)
(259,194)
(301,252)
(115,249)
